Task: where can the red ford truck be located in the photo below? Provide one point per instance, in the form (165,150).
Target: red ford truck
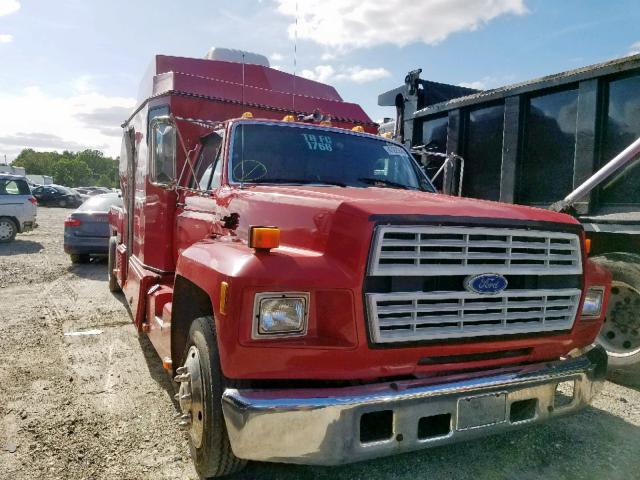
(316,299)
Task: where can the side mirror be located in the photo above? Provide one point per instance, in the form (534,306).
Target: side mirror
(163,151)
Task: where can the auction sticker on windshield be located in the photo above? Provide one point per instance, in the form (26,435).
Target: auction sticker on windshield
(318,142)
(395,150)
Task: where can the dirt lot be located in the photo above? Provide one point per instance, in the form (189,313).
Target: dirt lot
(100,406)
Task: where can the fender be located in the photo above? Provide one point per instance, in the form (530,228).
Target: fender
(207,263)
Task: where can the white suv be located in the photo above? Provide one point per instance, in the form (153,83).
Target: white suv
(18,208)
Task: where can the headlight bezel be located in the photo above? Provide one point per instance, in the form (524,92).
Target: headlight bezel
(256,333)
(599,289)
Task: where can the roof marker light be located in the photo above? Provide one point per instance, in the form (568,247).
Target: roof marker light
(247,115)
(289,118)
(358,128)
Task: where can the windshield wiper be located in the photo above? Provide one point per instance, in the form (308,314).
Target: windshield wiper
(305,181)
(389,183)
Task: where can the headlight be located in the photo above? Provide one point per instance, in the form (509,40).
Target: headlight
(280,314)
(592,306)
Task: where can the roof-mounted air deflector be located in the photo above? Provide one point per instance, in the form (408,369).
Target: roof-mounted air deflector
(236,56)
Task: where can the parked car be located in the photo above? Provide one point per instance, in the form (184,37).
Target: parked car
(18,207)
(90,191)
(57,195)
(86,230)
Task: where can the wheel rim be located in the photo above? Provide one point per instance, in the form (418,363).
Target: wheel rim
(6,230)
(191,397)
(620,334)
(63,203)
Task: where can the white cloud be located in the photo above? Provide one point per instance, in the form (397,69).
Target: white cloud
(363,75)
(328,56)
(6,38)
(347,24)
(478,85)
(8,6)
(320,73)
(276,57)
(488,82)
(357,74)
(34,118)
(634,49)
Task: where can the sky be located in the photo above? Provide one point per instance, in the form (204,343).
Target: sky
(70,69)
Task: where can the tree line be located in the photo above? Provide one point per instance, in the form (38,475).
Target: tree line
(71,169)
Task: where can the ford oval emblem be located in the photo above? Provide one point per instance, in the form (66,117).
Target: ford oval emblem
(485,283)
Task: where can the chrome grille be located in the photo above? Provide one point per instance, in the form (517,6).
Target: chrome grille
(440,250)
(403,317)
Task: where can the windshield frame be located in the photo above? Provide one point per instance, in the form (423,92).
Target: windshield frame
(420,174)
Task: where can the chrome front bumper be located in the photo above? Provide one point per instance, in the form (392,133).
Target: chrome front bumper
(329,426)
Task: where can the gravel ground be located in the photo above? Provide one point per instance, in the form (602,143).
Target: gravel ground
(100,406)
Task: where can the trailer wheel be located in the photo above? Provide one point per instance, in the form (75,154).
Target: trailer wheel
(8,230)
(201,386)
(620,334)
(111,264)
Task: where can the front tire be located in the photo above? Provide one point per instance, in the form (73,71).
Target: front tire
(8,230)
(620,334)
(62,203)
(201,386)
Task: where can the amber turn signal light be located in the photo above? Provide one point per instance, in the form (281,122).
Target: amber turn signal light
(264,238)
(587,246)
(224,288)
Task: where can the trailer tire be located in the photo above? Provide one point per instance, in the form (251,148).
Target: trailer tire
(111,263)
(208,438)
(620,333)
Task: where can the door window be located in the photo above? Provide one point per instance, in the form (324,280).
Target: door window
(207,162)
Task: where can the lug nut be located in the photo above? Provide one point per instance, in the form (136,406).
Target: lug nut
(181,370)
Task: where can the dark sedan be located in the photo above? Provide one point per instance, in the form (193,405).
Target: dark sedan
(57,195)
(86,230)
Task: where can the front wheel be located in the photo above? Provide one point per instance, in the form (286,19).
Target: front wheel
(62,203)
(8,230)
(201,386)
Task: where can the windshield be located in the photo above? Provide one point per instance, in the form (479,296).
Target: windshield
(297,154)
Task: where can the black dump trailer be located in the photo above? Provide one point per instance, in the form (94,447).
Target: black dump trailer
(534,143)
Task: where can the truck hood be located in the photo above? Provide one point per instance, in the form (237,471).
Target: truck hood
(307,215)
